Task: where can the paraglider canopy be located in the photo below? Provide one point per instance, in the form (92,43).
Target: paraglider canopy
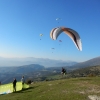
(55,32)
(60,41)
(41,35)
(58,19)
(53,49)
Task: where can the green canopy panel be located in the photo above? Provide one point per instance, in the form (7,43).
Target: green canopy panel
(8,88)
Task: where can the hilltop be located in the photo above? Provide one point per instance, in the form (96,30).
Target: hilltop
(63,89)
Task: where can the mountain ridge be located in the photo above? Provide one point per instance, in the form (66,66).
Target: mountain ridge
(14,62)
(91,62)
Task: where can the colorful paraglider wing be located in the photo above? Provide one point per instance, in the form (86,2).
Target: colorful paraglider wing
(41,34)
(51,33)
(60,41)
(58,19)
(76,39)
(53,49)
(57,32)
(70,32)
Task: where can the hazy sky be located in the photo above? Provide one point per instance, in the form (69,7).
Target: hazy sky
(22,22)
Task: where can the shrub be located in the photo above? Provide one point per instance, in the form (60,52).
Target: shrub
(28,81)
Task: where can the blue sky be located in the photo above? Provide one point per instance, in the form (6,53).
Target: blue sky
(22,22)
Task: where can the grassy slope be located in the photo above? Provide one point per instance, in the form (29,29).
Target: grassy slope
(64,89)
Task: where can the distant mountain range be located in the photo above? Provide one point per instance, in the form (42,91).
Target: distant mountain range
(37,70)
(22,69)
(56,64)
(7,62)
(88,63)
(16,62)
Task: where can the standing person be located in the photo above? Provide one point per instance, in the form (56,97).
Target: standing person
(14,84)
(23,81)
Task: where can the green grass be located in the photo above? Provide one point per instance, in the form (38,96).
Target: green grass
(64,89)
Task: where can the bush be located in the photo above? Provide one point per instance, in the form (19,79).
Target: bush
(29,81)
(91,75)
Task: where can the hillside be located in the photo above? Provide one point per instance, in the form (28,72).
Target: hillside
(34,72)
(7,74)
(64,89)
(87,71)
(91,62)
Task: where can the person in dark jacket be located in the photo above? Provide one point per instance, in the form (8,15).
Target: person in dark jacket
(14,85)
(63,71)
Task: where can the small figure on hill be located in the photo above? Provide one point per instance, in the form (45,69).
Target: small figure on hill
(63,71)
(23,81)
(14,85)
